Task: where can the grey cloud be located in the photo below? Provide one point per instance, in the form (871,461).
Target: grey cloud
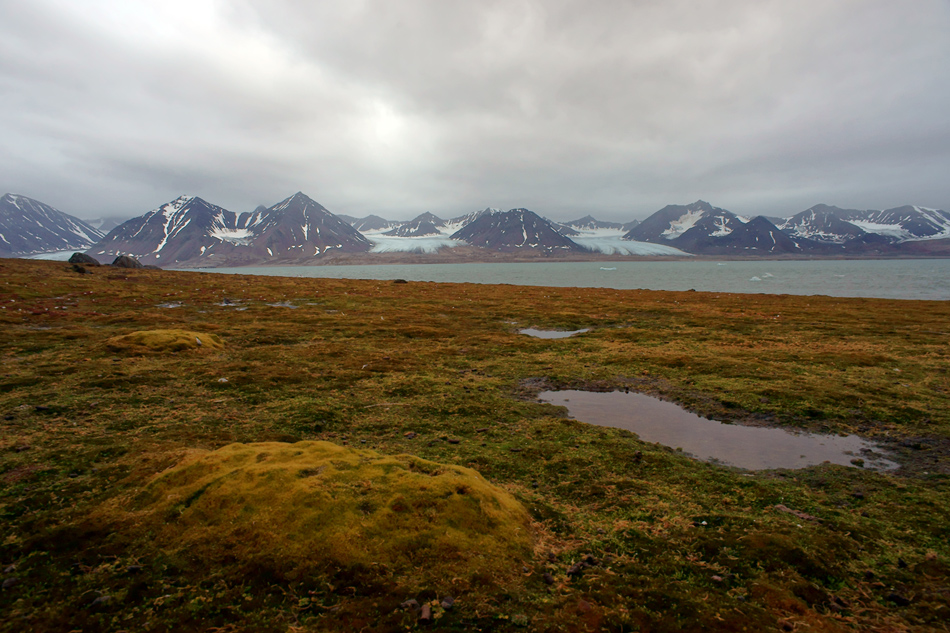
(613,108)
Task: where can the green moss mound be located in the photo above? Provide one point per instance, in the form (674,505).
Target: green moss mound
(163,341)
(293,511)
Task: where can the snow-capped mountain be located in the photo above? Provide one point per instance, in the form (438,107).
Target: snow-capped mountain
(181,230)
(191,231)
(420,226)
(299,226)
(702,228)
(832,225)
(589,223)
(28,226)
(517,229)
(369,223)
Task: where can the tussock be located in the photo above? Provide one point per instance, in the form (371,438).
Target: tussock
(311,506)
(163,341)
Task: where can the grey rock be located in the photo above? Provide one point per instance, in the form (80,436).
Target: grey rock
(448,602)
(11,582)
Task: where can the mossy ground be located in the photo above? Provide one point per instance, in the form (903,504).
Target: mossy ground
(679,544)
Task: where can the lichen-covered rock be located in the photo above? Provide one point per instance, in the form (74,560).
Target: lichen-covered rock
(293,510)
(163,341)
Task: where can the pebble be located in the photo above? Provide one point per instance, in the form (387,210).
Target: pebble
(101,601)
(10,582)
(10,569)
(453,441)
(411,603)
(548,578)
(411,435)
(448,602)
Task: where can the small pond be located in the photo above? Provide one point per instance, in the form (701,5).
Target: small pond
(748,447)
(551,333)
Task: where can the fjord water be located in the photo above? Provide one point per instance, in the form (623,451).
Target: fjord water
(886,279)
(751,448)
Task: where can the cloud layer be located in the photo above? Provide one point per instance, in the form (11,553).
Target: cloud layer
(567,108)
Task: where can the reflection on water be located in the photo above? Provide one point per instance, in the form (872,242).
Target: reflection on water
(551,333)
(752,448)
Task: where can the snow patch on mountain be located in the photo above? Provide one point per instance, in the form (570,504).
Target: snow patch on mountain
(239,237)
(682,224)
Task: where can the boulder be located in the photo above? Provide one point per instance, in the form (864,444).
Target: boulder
(125,261)
(82,258)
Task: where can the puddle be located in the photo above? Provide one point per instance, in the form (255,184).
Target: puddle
(170,304)
(748,447)
(283,304)
(551,333)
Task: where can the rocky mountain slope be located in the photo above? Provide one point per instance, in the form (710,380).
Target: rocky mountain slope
(28,226)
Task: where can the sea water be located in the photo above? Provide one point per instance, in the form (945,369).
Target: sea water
(888,278)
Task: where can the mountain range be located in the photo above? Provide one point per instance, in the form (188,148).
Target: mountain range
(191,232)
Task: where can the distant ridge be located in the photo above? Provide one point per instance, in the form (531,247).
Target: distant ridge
(420,226)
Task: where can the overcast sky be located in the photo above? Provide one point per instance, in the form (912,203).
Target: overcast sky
(609,107)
